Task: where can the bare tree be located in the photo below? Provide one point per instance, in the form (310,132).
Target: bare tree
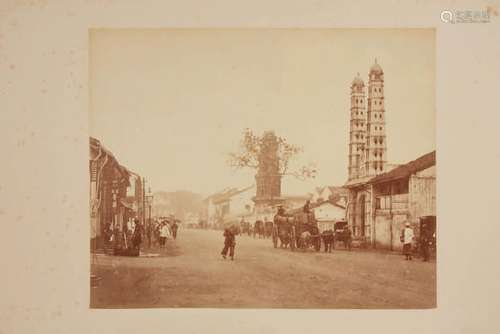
(253,151)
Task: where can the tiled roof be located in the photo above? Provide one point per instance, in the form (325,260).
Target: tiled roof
(96,144)
(328,202)
(421,163)
(315,205)
(357,182)
(424,162)
(125,172)
(338,190)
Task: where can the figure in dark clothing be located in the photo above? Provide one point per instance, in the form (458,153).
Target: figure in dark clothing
(328,240)
(425,242)
(137,236)
(258,229)
(174,229)
(229,243)
(148,233)
(108,232)
(347,237)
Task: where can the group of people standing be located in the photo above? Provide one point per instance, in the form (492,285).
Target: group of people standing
(165,230)
(125,239)
(130,236)
(157,232)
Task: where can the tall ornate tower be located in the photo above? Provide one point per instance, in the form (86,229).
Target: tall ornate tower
(268,178)
(375,153)
(357,133)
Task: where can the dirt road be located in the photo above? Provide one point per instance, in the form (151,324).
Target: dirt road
(193,274)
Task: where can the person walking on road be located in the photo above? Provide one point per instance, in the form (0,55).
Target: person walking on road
(229,243)
(407,237)
(164,234)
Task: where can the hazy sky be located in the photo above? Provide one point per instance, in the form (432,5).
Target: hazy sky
(171,103)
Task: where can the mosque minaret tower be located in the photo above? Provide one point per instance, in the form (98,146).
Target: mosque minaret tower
(357,132)
(375,149)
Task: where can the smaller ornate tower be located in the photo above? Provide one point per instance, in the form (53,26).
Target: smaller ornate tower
(268,178)
(357,132)
(375,153)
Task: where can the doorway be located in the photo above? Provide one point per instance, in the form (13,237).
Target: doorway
(362,215)
(428,229)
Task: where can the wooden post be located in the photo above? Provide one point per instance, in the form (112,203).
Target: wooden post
(390,214)
(143,201)
(374,217)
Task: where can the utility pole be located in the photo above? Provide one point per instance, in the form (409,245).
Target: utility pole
(149,204)
(149,226)
(143,201)
(391,215)
(149,198)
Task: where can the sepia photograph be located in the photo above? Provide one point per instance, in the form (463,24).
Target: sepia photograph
(262,168)
(267,166)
